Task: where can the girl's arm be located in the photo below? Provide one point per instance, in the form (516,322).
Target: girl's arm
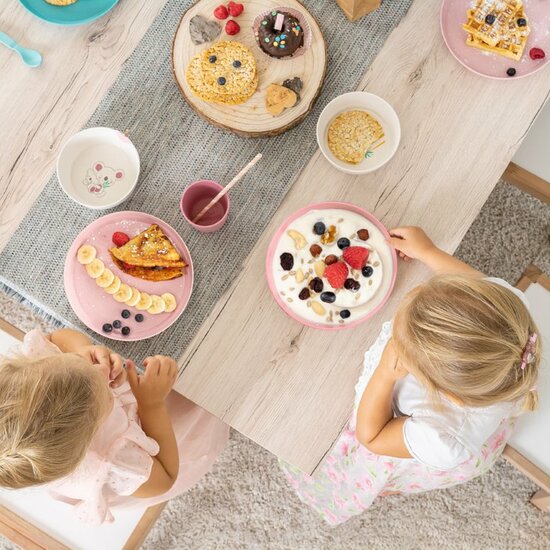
(413,243)
(377,429)
(150,391)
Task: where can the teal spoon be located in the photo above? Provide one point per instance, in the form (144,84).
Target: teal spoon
(31,58)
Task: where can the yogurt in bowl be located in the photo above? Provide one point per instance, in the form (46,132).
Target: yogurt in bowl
(316,281)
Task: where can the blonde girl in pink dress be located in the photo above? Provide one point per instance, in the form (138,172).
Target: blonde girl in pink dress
(101,437)
(439,393)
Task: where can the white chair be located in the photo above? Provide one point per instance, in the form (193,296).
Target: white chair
(33,520)
(529,447)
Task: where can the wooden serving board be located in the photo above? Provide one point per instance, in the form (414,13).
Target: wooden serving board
(251,119)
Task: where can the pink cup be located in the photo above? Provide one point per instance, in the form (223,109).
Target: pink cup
(196,197)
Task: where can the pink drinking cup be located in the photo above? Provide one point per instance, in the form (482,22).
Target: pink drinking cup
(196,197)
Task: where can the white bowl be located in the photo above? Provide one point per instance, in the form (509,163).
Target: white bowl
(379,109)
(98,168)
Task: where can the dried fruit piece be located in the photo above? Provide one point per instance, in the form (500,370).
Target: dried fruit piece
(363,234)
(331,259)
(287,261)
(304,294)
(299,240)
(320,267)
(352,284)
(356,256)
(316,284)
(315,250)
(300,276)
(318,308)
(336,274)
(329,236)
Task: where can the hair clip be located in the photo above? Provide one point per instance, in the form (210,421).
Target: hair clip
(529,351)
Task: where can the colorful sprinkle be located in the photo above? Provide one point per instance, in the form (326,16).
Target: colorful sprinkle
(283,36)
(264,23)
(283,42)
(266,39)
(282,47)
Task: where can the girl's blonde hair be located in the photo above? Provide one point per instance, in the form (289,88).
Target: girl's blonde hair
(50,409)
(467,336)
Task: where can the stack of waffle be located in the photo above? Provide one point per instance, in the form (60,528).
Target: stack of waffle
(507,33)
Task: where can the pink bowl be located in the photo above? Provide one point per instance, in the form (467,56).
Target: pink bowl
(273,245)
(196,197)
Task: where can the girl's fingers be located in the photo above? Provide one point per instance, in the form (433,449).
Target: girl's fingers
(152,365)
(101,355)
(117,365)
(133,377)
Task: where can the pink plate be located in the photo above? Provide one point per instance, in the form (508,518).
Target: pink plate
(273,246)
(94,307)
(453,15)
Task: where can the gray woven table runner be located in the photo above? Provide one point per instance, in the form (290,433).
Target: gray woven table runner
(176,148)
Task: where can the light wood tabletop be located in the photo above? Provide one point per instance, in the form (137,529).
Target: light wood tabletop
(287,387)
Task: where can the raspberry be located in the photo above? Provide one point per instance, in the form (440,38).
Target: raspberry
(537,53)
(221,12)
(120,239)
(336,274)
(356,256)
(232,27)
(235,9)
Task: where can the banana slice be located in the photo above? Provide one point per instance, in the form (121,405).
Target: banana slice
(124,293)
(86,254)
(299,240)
(145,301)
(169,302)
(105,279)
(157,305)
(134,298)
(95,269)
(114,287)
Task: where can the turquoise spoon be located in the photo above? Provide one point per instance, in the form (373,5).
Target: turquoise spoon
(31,58)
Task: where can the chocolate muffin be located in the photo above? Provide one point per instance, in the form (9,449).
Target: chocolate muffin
(280,34)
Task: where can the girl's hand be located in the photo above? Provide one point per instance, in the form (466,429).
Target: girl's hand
(103,357)
(151,388)
(390,365)
(411,242)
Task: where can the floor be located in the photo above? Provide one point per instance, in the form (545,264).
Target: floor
(244,503)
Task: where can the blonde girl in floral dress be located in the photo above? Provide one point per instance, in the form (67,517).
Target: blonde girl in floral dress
(439,393)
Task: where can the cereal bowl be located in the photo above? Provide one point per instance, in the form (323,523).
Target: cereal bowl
(382,151)
(98,168)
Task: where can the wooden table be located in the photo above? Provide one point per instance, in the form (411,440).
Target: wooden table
(287,387)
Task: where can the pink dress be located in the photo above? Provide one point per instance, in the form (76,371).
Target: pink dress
(119,459)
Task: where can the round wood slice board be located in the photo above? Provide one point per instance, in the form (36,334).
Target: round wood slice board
(251,119)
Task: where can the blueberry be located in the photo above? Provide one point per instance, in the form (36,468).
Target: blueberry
(316,284)
(117,324)
(107,327)
(328,297)
(522,22)
(139,317)
(490,19)
(367,271)
(221,81)
(125,331)
(236,63)
(125,314)
(319,228)
(345,313)
(343,243)
(352,284)
(212,59)
(287,261)
(511,71)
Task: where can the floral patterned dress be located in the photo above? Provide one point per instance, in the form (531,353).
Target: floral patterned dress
(351,476)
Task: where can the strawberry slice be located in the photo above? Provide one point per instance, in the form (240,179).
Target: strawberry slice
(235,9)
(336,274)
(221,12)
(356,256)
(120,239)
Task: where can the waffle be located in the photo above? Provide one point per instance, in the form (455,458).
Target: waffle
(504,36)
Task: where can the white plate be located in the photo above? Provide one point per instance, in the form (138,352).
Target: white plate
(98,168)
(379,109)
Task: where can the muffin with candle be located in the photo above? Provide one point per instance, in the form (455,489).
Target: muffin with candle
(279,33)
